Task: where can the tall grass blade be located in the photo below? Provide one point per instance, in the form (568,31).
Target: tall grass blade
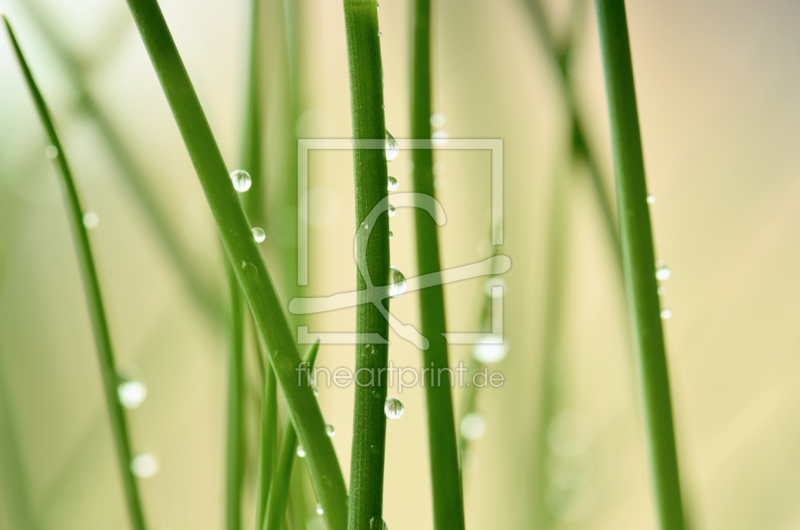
(279,491)
(235,450)
(208,299)
(246,259)
(369,423)
(448,503)
(93,297)
(638,258)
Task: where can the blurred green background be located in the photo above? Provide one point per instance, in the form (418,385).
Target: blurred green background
(717,85)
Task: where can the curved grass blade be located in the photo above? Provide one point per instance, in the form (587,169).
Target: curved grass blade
(369,422)
(208,299)
(279,491)
(448,502)
(638,258)
(245,258)
(94,299)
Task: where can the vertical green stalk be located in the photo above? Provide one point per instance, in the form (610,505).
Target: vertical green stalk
(93,298)
(246,259)
(267,444)
(279,493)
(448,504)
(369,423)
(235,433)
(638,258)
(556,269)
(252,140)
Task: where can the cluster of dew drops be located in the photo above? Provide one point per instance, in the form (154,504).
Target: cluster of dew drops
(241,183)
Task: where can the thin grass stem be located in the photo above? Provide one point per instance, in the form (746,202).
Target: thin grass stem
(448,503)
(639,260)
(369,423)
(235,445)
(246,259)
(94,299)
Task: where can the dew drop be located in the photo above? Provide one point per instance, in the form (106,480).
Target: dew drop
(379,34)
(365,225)
(666,314)
(437,120)
(489,350)
(91,220)
(661,290)
(316,391)
(380,526)
(132,393)
(472,426)
(391,235)
(241,180)
(397,282)
(369,348)
(393,184)
(651,199)
(258,235)
(392,211)
(392,149)
(301,452)
(330,430)
(319,509)
(145,465)
(662,271)
(51,152)
(438,168)
(393,408)
(494,282)
(439,138)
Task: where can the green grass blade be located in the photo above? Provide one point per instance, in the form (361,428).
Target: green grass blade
(279,492)
(235,433)
(267,445)
(638,258)
(209,300)
(252,135)
(559,55)
(448,503)
(94,299)
(245,258)
(369,423)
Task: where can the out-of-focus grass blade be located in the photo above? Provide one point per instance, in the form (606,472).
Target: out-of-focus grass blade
(638,258)
(245,258)
(93,298)
(448,502)
(235,432)
(209,300)
(279,491)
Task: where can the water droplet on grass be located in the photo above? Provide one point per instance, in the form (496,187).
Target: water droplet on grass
(472,426)
(330,430)
(51,152)
(666,314)
(393,408)
(392,211)
(145,465)
(437,120)
(662,271)
(489,350)
(319,509)
(301,452)
(241,180)
(651,199)
(392,149)
(91,220)
(259,235)
(393,184)
(397,282)
(131,393)
(391,235)
(440,138)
